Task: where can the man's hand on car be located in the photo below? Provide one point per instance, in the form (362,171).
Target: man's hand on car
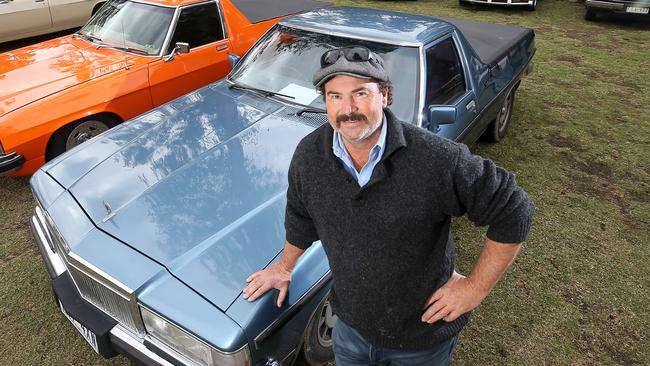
(275,276)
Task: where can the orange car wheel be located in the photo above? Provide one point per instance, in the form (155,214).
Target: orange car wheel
(78,132)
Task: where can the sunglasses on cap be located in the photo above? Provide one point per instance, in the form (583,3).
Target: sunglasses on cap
(351,53)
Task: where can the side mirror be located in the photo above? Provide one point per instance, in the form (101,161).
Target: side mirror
(234,59)
(180,48)
(440,115)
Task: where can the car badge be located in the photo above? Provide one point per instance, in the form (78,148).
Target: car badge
(109,211)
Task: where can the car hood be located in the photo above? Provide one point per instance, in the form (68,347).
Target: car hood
(31,73)
(197,185)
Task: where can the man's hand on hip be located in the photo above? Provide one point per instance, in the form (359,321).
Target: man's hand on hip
(453,299)
(275,276)
(461,294)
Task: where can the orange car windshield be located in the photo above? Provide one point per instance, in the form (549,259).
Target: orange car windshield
(130,26)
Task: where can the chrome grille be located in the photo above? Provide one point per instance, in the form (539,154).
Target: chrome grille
(112,303)
(100,290)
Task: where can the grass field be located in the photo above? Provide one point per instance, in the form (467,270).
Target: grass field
(580,145)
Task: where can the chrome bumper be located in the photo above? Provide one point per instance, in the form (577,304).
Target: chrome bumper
(11,162)
(121,339)
(503,3)
(605,5)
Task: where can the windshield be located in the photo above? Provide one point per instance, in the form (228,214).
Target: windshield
(286,59)
(136,27)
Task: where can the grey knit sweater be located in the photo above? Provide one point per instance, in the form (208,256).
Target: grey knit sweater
(388,243)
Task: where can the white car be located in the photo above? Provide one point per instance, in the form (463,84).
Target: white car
(28,18)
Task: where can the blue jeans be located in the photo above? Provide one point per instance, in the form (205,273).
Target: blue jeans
(351,349)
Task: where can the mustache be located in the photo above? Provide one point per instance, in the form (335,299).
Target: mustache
(351,117)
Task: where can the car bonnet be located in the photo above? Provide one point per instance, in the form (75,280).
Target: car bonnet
(31,73)
(199,187)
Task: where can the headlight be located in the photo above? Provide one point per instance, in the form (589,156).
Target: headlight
(189,346)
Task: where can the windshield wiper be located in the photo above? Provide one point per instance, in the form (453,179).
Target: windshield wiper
(266,93)
(130,49)
(310,110)
(88,37)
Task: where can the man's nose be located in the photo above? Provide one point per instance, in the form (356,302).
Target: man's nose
(349,105)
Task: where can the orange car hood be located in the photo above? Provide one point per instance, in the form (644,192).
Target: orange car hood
(31,73)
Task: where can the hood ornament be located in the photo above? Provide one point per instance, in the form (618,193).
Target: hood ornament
(109,211)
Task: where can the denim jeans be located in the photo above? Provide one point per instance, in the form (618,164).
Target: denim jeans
(351,349)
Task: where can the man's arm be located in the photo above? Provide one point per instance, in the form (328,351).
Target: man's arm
(461,294)
(277,275)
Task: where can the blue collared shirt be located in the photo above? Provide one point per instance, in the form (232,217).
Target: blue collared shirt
(376,152)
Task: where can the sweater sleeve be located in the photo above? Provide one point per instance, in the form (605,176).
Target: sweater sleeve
(299,226)
(490,196)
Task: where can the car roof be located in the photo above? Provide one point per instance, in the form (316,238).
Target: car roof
(371,24)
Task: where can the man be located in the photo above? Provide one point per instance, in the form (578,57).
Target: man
(380,195)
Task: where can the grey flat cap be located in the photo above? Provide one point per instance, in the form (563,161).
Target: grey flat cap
(356,61)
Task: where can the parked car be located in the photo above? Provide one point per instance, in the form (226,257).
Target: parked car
(28,18)
(130,57)
(526,4)
(601,7)
(150,230)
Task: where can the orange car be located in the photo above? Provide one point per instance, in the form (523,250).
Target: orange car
(131,56)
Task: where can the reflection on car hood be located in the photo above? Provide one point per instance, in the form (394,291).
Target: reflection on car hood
(31,73)
(198,185)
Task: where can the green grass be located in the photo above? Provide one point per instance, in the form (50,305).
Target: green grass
(579,144)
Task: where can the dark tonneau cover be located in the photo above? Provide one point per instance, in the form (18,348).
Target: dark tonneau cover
(490,41)
(260,10)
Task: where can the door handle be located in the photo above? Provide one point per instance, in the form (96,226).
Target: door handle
(5,1)
(222,47)
(38,1)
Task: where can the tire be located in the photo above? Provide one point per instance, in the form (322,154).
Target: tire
(317,342)
(464,3)
(532,7)
(498,129)
(591,14)
(76,133)
(97,7)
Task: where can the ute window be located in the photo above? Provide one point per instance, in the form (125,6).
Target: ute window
(198,25)
(445,80)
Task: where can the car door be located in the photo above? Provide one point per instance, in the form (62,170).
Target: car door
(19,17)
(201,26)
(71,13)
(446,85)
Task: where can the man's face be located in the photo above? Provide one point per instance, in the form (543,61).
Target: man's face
(354,107)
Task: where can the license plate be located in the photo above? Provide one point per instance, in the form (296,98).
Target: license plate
(88,335)
(637,10)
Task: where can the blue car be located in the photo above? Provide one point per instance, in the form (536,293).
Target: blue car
(150,230)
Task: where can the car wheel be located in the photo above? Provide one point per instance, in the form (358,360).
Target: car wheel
(533,6)
(97,7)
(497,130)
(317,343)
(76,133)
(463,2)
(591,14)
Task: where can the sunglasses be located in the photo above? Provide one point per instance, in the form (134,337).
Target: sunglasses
(352,54)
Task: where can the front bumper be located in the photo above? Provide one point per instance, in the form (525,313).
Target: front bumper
(112,337)
(502,2)
(10,163)
(613,6)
